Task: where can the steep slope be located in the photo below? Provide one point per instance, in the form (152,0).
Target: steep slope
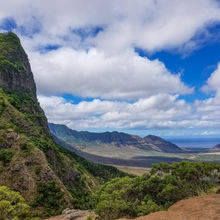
(216,148)
(162,144)
(118,139)
(48,176)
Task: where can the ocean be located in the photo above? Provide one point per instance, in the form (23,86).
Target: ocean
(196,142)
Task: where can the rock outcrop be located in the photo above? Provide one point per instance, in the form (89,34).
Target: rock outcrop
(75,214)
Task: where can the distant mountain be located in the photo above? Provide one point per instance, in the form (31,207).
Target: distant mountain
(116,139)
(162,144)
(216,148)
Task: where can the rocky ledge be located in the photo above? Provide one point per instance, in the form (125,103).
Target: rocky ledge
(75,214)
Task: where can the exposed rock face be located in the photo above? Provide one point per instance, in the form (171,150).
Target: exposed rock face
(15,70)
(16,77)
(118,139)
(198,208)
(75,214)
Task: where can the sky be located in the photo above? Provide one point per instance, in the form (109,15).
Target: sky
(138,66)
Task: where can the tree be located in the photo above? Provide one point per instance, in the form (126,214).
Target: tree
(12,206)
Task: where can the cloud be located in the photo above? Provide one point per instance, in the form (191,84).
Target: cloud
(95,74)
(213,82)
(151,25)
(94,56)
(207,133)
(156,25)
(159,111)
(145,113)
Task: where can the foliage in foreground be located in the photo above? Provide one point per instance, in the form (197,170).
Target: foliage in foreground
(50,197)
(12,206)
(157,190)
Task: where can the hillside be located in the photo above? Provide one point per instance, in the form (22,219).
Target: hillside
(48,176)
(202,208)
(216,148)
(114,139)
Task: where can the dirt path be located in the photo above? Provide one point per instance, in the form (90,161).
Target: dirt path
(198,208)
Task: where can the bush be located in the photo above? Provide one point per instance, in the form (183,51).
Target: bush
(157,190)
(12,205)
(50,197)
(5,156)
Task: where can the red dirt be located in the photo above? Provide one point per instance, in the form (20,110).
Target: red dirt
(198,208)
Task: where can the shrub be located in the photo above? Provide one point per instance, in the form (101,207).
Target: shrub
(12,205)
(5,156)
(157,190)
(50,197)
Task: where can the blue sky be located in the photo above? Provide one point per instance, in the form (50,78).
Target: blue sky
(143,67)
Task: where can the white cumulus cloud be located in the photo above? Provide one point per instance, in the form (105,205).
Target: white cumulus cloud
(95,74)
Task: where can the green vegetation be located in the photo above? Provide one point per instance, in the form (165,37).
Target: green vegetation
(103,173)
(37,170)
(87,173)
(12,206)
(157,190)
(2,105)
(10,45)
(8,67)
(5,156)
(50,197)
(78,175)
(20,100)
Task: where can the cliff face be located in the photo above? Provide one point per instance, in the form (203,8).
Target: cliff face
(16,79)
(15,70)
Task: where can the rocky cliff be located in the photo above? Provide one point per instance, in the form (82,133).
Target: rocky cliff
(15,70)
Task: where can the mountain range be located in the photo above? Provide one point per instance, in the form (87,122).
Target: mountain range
(116,139)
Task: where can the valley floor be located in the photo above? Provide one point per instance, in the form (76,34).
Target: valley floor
(137,161)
